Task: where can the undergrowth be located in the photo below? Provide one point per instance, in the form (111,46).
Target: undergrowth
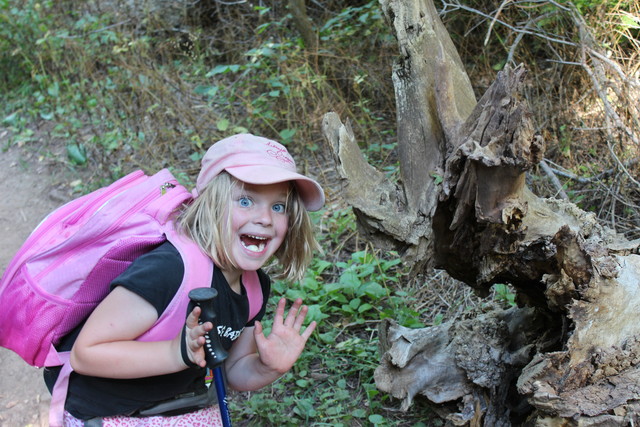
(143,90)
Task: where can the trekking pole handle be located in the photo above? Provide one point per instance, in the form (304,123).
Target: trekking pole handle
(215,354)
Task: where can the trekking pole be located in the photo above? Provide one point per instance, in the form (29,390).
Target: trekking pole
(214,353)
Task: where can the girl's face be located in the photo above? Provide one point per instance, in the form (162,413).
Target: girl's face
(259,223)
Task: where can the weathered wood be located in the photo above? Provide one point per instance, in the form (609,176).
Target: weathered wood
(379,204)
(425,50)
(583,362)
(400,215)
(466,368)
(570,353)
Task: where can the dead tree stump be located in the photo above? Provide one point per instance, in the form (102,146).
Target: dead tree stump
(569,354)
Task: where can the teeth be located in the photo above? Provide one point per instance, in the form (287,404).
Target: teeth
(254,248)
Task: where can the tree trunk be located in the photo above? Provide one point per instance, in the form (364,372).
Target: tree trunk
(569,354)
(304,24)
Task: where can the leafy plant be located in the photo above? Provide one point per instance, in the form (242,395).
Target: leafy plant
(504,294)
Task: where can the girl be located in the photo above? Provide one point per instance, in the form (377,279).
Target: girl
(250,206)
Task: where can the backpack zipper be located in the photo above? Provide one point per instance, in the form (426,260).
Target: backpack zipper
(125,184)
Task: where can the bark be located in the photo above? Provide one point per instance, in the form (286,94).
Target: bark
(303,24)
(569,354)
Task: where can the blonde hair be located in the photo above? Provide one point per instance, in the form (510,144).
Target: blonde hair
(207,221)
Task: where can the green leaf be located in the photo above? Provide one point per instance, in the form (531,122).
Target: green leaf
(630,21)
(296,293)
(499,65)
(310,283)
(321,265)
(223,125)
(47,115)
(222,69)
(388,264)
(286,135)
(437,179)
(10,120)
(315,313)
(359,413)
(376,419)
(372,289)
(77,154)
(364,307)
(349,280)
(144,80)
(210,91)
(54,90)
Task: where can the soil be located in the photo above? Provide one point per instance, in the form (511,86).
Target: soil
(30,189)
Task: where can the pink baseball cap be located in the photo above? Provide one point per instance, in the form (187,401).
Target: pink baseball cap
(257,160)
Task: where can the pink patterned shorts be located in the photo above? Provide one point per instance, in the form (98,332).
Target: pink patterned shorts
(206,417)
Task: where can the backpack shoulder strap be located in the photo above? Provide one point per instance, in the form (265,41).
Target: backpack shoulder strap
(198,270)
(59,392)
(251,283)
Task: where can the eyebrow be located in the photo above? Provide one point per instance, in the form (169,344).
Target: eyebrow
(246,191)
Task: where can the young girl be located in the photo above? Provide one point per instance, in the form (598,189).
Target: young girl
(251,205)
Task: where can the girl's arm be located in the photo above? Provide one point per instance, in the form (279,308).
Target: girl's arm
(106,345)
(256,361)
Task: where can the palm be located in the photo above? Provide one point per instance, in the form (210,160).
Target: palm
(280,350)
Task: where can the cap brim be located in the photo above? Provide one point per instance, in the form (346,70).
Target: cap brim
(310,191)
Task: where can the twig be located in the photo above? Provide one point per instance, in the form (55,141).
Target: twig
(230,3)
(621,164)
(524,30)
(554,180)
(493,21)
(99,30)
(595,178)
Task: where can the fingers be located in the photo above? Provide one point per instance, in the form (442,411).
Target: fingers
(194,336)
(307,332)
(301,315)
(258,333)
(193,317)
(296,315)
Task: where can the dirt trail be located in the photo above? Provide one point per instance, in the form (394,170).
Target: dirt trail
(27,194)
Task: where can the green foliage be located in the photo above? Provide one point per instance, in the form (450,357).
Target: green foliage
(21,28)
(504,294)
(104,85)
(363,22)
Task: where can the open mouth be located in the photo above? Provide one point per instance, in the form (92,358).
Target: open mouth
(253,243)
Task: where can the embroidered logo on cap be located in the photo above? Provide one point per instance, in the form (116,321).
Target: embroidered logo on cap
(279,153)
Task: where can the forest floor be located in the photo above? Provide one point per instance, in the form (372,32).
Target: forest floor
(30,188)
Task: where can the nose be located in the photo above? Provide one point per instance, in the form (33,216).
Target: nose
(264,215)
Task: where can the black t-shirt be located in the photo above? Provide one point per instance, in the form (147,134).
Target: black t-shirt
(156,276)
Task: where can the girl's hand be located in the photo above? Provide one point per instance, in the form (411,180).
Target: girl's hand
(193,340)
(280,350)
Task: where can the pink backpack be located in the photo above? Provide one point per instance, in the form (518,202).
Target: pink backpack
(66,265)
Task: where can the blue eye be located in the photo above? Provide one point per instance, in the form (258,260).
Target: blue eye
(279,208)
(245,202)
